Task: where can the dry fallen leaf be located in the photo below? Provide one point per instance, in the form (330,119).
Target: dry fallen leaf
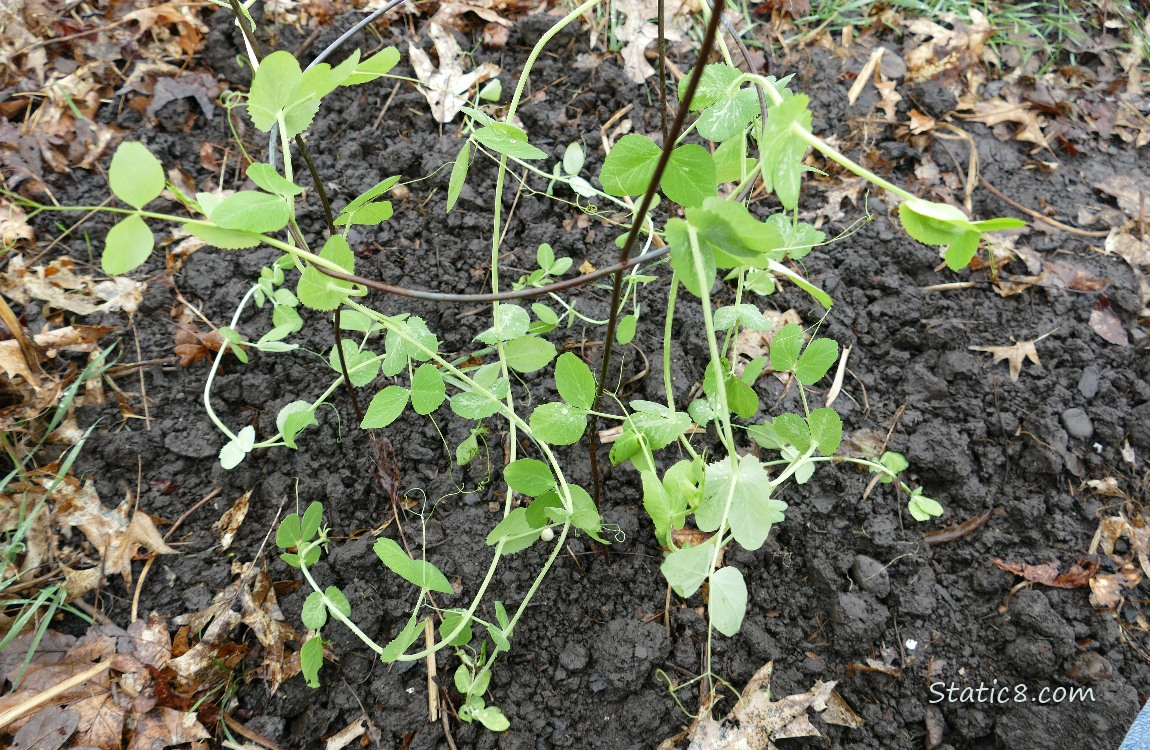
(1047,574)
(230,521)
(953,49)
(999,111)
(757,721)
(1106,323)
(1014,354)
(446,87)
(62,287)
(1131,191)
(117,539)
(640,30)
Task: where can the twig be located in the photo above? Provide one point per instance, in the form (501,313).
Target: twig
(47,696)
(1041,217)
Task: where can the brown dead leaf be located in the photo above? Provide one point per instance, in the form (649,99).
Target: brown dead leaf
(62,287)
(1106,323)
(953,49)
(14,225)
(1009,110)
(118,540)
(1136,253)
(446,86)
(1013,354)
(259,610)
(640,31)
(1108,590)
(757,721)
(1047,574)
(1132,192)
(888,96)
(230,521)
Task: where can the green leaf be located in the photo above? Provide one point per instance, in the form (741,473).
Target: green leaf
(574,381)
(683,261)
(514,531)
(427,389)
(338,601)
(227,239)
(816,360)
(362,365)
(625,332)
(467,449)
(528,353)
(573,158)
(826,430)
(741,398)
(492,718)
(546,321)
(135,175)
(537,511)
(399,350)
(311,659)
(819,295)
(273,88)
(491,90)
(921,507)
(474,405)
(371,193)
(292,419)
(660,506)
(797,239)
(368,215)
(729,116)
(628,169)
(558,423)
(933,223)
(252,211)
(960,252)
(785,348)
(731,162)
(728,600)
(714,85)
(686,569)
(783,150)
(747,485)
(529,477)
(507,140)
(793,430)
(314,613)
(319,291)
(657,423)
(411,631)
(458,175)
(373,67)
(266,177)
(584,515)
(511,322)
(238,448)
(288,533)
(748,316)
(994,225)
(895,462)
(682,482)
(385,407)
(418,572)
(451,620)
(127,245)
(311,521)
(690,175)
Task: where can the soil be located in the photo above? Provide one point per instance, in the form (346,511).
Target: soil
(586,665)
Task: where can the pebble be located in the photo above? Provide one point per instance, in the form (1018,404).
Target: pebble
(870,575)
(1077,423)
(1088,383)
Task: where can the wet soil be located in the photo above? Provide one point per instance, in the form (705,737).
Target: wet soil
(585,669)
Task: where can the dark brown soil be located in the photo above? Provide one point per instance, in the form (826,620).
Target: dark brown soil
(583,671)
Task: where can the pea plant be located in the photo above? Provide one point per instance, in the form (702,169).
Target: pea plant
(746,130)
